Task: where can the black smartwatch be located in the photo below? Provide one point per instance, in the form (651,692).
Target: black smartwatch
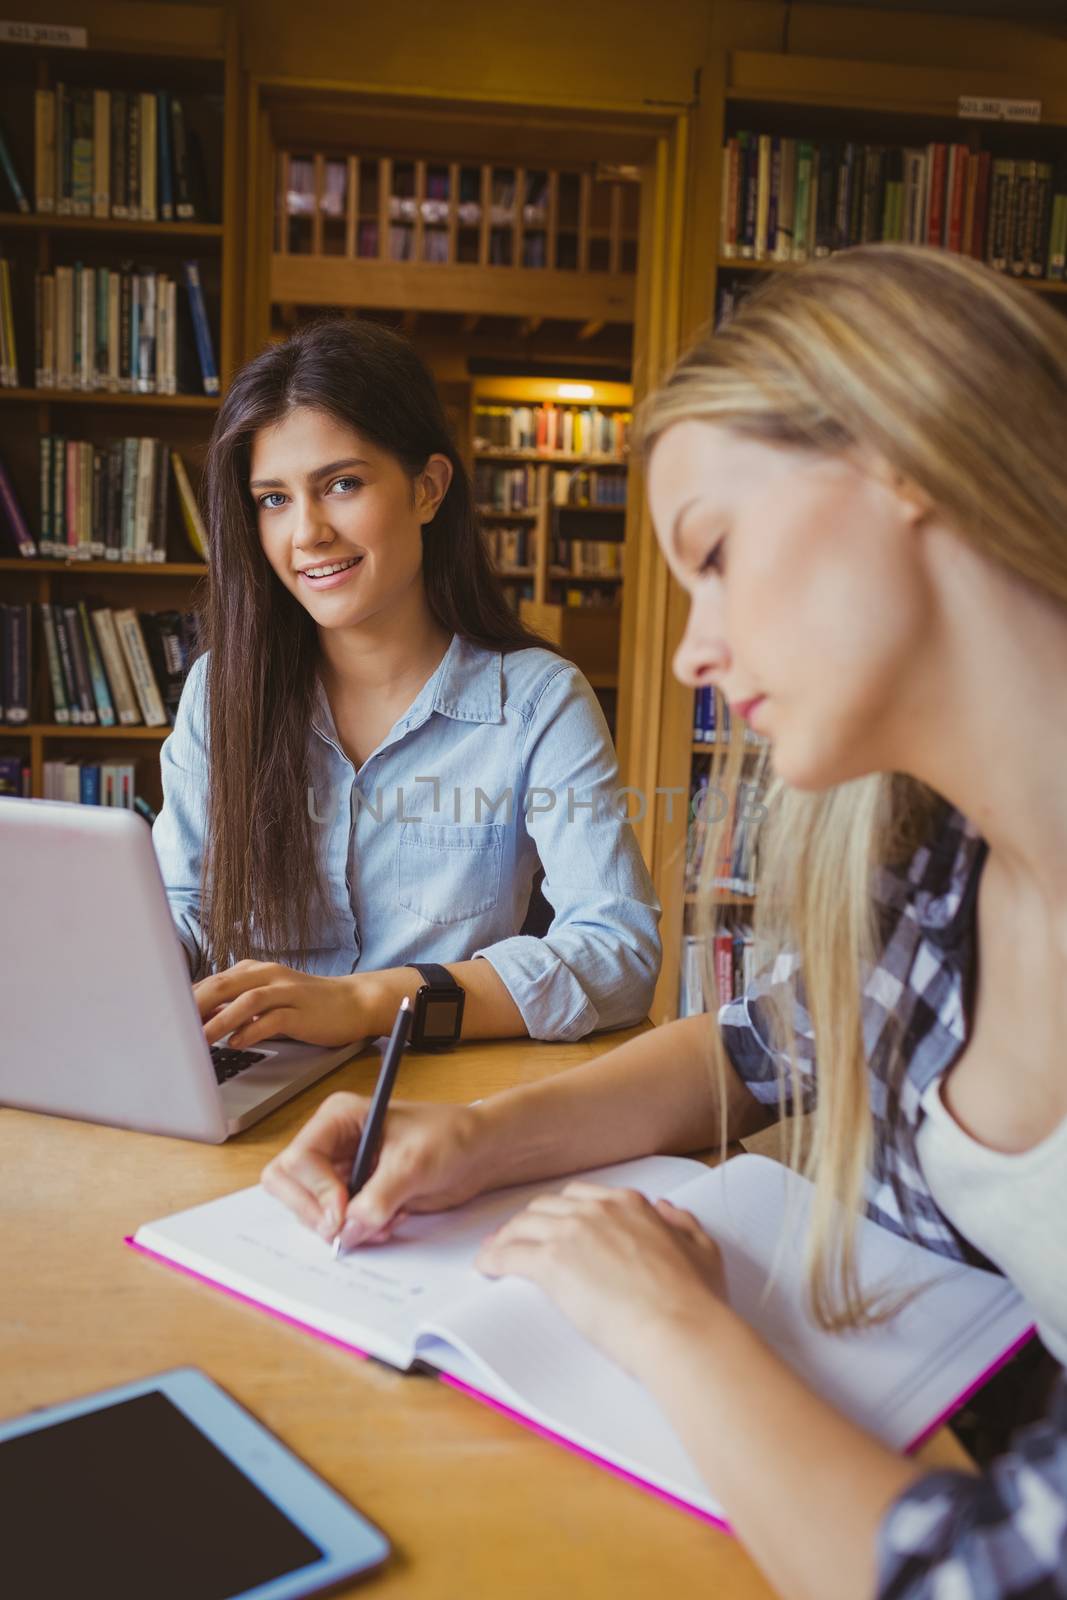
(438,1009)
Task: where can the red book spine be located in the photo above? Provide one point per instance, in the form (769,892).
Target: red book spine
(724,966)
(935,217)
(981,207)
(955,204)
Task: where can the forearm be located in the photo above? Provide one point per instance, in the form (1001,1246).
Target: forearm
(489,1012)
(655,1094)
(803,1487)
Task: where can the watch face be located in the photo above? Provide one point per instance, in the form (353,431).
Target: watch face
(439,1018)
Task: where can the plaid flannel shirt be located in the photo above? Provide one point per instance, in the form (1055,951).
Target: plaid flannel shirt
(950,1536)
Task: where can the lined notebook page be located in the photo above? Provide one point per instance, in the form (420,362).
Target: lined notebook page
(376,1298)
(893,1380)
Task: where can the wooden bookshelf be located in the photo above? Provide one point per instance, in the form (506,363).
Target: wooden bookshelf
(907,93)
(114,227)
(111,401)
(435,232)
(191,49)
(588,635)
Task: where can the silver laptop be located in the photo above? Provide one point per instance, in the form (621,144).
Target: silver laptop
(98,1016)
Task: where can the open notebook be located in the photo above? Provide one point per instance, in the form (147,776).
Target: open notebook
(418,1299)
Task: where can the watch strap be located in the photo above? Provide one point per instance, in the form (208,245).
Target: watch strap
(436,977)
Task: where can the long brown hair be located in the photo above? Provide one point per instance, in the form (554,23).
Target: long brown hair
(262,880)
(957,378)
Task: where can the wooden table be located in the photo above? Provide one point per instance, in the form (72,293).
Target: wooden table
(473,1504)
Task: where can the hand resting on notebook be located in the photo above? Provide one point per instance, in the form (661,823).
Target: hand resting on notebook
(618,1265)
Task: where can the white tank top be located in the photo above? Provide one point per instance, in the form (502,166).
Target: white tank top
(1013,1208)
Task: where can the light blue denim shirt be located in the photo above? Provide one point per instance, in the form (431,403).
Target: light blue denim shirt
(430,848)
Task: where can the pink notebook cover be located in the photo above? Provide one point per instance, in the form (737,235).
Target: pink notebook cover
(548,1433)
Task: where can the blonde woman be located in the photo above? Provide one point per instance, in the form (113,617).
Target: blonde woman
(861,484)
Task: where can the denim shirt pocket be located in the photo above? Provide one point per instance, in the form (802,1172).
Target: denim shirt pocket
(449,874)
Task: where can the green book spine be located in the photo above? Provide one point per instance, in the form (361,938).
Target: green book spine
(802,204)
(101,692)
(46,536)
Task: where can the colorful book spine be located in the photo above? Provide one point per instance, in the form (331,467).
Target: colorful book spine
(205,351)
(10,171)
(44,151)
(60,708)
(105,708)
(13,514)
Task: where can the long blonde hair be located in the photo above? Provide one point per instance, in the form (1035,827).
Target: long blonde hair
(957,378)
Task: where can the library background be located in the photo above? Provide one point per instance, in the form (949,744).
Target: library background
(550,214)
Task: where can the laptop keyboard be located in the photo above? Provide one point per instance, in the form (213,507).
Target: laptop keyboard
(228,1063)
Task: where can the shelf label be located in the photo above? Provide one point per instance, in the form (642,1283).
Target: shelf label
(56,34)
(993,110)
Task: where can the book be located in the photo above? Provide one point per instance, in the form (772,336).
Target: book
(209,372)
(17,526)
(85,701)
(135,652)
(105,708)
(194,522)
(60,709)
(15,663)
(11,173)
(9,361)
(44,151)
(418,1302)
(115,666)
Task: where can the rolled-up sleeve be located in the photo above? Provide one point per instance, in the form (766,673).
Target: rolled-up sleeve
(597,965)
(178,831)
(1002,1536)
(747,1029)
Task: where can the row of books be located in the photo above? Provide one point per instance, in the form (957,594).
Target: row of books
(712,721)
(589,599)
(792,199)
(112,668)
(505,488)
(736,868)
(9,360)
(585,486)
(112,153)
(118,329)
(589,558)
(15,776)
(733,964)
(570,430)
(94,783)
(509,547)
(515,592)
(105,502)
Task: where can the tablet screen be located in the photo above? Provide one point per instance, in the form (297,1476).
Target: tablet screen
(133,1500)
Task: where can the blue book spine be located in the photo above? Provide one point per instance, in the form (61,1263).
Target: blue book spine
(89,785)
(209,371)
(166,166)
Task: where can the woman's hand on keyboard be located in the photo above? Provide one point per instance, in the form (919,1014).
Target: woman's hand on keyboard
(257,1000)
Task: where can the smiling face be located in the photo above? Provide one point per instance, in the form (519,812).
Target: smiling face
(809,601)
(339,519)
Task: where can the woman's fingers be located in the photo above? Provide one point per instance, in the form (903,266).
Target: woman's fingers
(241,1012)
(222,987)
(306,1175)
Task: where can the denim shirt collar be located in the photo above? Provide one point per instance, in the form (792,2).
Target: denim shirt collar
(466,684)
